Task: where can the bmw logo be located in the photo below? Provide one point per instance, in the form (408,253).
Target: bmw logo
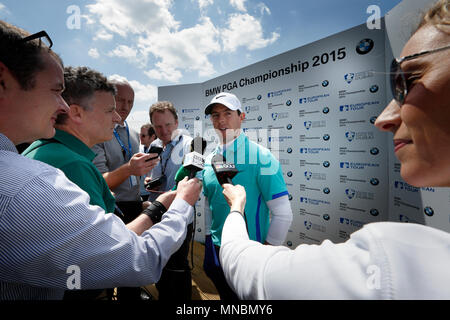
(325,83)
(350,193)
(289,174)
(259,118)
(374,181)
(326,217)
(374,151)
(373,119)
(197,118)
(288,103)
(289,243)
(326,110)
(349,77)
(365,46)
(326,164)
(326,190)
(259,97)
(289,126)
(199,230)
(326,137)
(289,150)
(308,225)
(374,212)
(373,88)
(428,211)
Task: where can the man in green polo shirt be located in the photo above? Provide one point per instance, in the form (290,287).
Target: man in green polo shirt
(261,175)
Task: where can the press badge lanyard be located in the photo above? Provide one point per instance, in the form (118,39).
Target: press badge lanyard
(127,152)
(163,168)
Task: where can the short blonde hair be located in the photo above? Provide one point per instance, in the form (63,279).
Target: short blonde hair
(438,15)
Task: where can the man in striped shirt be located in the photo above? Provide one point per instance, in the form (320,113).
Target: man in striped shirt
(51,238)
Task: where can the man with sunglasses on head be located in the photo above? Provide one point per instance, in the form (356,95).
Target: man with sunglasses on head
(51,238)
(383,260)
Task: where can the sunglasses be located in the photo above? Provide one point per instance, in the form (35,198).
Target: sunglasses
(41,35)
(399,83)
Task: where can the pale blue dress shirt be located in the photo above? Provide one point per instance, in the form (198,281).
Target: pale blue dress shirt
(47,226)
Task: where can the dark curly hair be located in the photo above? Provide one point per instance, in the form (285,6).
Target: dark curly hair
(80,85)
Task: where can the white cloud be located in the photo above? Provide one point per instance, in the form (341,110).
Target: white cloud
(202,4)
(137,118)
(4,9)
(102,34)
(144,97)
(123,51)
(134,16)
(144,93)
(117,78)
(93,52)
(132,55)
(246,31)
(89,19)
(153,35)
(164,72)
(187,49)
(263,9)
(239,5)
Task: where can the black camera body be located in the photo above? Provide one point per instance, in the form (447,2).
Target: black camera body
(154,149)
(155,183)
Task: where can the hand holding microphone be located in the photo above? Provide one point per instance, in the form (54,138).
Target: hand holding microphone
(235,196)
(192,162)
(224,171)
(189,190)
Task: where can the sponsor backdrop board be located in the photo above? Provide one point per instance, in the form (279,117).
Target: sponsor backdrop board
(314,108)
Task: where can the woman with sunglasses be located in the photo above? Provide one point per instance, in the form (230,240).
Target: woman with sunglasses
(384,260)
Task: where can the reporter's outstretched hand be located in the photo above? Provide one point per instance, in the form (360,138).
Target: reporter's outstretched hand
(235,196)
(189,190)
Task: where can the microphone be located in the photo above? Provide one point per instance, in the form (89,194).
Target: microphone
(224,171)
(193,161)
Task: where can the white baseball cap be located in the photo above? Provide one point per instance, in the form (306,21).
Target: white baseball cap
(229,100)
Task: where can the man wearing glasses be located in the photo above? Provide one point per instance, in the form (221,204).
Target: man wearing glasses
(47,226)
(147,137)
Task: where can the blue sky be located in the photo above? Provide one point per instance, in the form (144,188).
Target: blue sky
(163,42)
